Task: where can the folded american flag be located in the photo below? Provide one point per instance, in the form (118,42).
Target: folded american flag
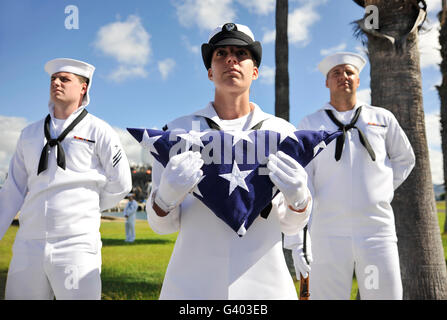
(235,183)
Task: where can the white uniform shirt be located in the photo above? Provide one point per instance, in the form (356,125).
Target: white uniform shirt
(66,202)
(209,260)
(352,197)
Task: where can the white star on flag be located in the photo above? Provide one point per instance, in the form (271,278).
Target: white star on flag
(283,136)
(196,188)
(236,178)
(193,138)
(148,142)
(240,135)
(321,145)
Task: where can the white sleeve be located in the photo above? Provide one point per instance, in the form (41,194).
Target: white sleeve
(400,152)
(13,192)
(116,168)
(161,225)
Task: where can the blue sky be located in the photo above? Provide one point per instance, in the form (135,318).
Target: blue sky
(149,68)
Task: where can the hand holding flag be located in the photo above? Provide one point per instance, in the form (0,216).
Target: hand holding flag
(290,178)
(179,177)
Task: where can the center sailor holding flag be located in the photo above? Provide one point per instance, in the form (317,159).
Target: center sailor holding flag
(209,260)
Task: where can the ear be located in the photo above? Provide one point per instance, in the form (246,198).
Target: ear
(327,86)
(210,74)
(84,88)
(255,73)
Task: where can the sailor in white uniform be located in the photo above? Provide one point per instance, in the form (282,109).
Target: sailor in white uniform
(66,169)
(352,183)
(210,261)
(130,213)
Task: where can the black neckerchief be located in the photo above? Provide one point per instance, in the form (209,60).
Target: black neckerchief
(344,128)
(43,163)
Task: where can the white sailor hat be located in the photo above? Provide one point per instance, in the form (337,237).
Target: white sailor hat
(72,66)
(341,58)
(231,34)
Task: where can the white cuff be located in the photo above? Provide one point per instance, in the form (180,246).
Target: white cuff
(159,201)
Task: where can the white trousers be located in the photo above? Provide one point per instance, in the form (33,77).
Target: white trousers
(64,267)
(130,228)
(375,262)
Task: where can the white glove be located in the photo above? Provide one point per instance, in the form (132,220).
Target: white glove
(299,262)
(290,178)
(179,177)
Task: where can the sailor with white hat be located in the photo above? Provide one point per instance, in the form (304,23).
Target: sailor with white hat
(341,58)
(352,183)
(66,169)
(252,266)
(77,67)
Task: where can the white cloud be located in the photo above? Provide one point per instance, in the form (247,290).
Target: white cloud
(364,95)
(204,14)
(261,7)
(267,74)
(429,47)
(11,129)
(432,128)
(436,166)
(132,148)
(165,67)
(128,43)
(331,50)
(299,22)
(269,36)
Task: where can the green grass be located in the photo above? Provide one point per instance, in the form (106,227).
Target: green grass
(129,271)
(135,271)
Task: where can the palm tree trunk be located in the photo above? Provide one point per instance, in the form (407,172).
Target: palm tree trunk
(442,90)
(396,85)
(282,61)
(282,80)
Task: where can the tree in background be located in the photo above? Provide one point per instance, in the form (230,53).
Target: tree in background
(397,86)
(282,61)
(442,90)
(282,79)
